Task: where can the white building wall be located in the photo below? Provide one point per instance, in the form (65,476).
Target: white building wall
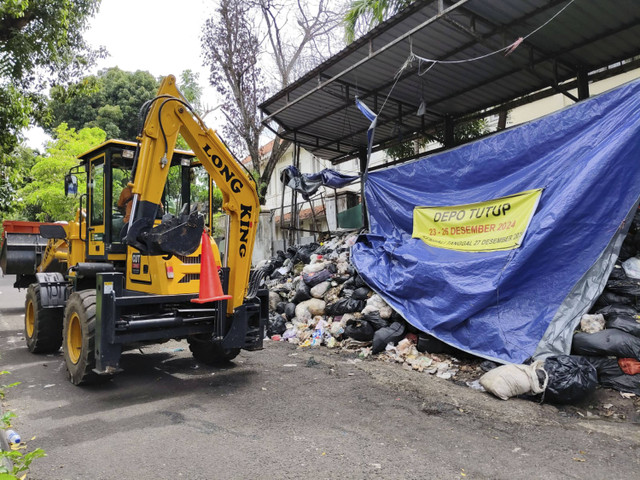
(557,102)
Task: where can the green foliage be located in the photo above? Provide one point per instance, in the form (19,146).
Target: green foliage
(7,416)
(44,198)
(363,15)
(21,462)
(110,100)
(40,41)
(191,89)
(14,174)
(461,133)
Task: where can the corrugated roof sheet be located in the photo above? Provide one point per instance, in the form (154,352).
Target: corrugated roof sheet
(318,111)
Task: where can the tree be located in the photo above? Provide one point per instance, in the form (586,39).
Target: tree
(236,57)
(110,100)
(43,198)
(363,15)
(40,40)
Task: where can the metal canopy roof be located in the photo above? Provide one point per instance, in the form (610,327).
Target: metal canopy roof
(318,111)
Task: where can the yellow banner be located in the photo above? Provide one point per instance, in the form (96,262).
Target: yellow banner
(498,224)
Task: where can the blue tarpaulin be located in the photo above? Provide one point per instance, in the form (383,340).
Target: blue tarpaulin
(503,305)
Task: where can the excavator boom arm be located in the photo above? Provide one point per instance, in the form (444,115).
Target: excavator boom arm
(168,116)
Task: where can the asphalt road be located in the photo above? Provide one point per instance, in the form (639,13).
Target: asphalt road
(276,414)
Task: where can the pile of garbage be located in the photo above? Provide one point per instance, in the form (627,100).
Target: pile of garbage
(317,298)
(605,350)
(610,336)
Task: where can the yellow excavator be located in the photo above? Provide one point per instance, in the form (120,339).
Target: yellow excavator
(127,271)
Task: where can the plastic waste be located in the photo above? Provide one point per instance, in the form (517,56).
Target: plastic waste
(626,323)
(607,342)
(376,322)
(361,293)
(13,437)
(427,343)
(359,330)
(276,324)
(628,287)
(571,378)
(509,381)
(316,339)
(609,298)
(344,305)
(336,329)
(592,323)
(617,308)
(605,366)
(313,279)
(290,310)
(302,293)
(320,289)
(631,267)
(623,383)
(391,334)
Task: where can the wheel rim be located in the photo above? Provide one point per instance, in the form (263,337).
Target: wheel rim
(74,338)
(30,320)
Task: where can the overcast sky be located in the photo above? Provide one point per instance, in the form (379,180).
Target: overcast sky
(159,36)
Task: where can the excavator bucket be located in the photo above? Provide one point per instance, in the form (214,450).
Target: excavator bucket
(176,236)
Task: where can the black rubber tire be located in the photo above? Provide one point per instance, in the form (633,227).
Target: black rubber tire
(82,305)
(46,331)
(210,353)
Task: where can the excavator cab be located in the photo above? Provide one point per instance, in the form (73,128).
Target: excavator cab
(109,168)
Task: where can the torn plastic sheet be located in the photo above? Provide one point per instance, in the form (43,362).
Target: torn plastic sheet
(508,306)
(308,184)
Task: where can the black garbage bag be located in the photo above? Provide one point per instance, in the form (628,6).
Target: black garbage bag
(359,330)
(606,367)
(361,293)
(302,293)
(617,309)
(276,275)
(280,307)
(359,282)
(626,323)
(344,305)
(346,292)
(606,342)
(290,310)
(375,320)
(350,283)
(628,249)
(571,378)
(611,298)
(391,334)
(341,278)
(430,344)
(623,383)
(276,324)
(313,279)
(627,287)
(617,273)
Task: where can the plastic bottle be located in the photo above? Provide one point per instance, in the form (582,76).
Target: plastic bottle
(13,437)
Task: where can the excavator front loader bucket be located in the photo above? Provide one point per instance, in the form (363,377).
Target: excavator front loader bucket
(174,236)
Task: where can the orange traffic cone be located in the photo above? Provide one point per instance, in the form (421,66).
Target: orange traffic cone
(210,286)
